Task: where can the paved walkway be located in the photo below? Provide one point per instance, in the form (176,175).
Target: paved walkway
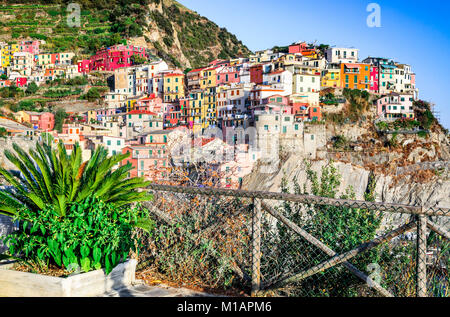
(144,290)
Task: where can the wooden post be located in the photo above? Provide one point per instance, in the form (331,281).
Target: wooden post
(256,247)
(421,256)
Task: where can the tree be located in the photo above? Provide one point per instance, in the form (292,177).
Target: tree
(60,116)
(93,94)
(32,88)
(3,133)
(138,60)
(53,178)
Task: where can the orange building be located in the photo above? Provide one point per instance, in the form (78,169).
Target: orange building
(355,76)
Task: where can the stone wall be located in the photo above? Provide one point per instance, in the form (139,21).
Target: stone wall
(6,227)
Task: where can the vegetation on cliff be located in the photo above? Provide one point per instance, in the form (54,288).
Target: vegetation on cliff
(184,38)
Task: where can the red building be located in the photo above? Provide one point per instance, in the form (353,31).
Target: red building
(256,74)
(304,111)
(84,66)
(172,117)
(21,81)
(297,48)
(111,58)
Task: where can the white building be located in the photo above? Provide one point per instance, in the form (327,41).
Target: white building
(306,84)
(280,80)
(23,63)
(341,55)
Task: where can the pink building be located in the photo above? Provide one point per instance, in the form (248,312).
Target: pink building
(151,103)
(396,106)
(219,62)
(111,58)
(30,47)
(42,120)
(228,75)
(297,48)
(374,80)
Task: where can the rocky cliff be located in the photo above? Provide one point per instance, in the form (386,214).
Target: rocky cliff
(401,169)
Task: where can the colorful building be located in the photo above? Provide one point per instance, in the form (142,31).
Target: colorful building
(7,54)
(331,78)
(111,58)
(173,87)
(355,76)
(394,105)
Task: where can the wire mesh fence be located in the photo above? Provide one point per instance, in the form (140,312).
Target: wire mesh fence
(201,241)
(276,244)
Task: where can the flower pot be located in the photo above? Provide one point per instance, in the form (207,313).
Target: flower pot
(94,283)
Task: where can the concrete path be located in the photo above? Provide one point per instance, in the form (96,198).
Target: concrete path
(143,290)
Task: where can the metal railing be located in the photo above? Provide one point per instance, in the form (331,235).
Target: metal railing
(300,245)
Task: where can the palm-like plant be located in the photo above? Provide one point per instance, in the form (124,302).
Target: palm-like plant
(52,177)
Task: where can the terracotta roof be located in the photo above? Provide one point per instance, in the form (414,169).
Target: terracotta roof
(141,112)
(351,65)
(173,75)
(196,70)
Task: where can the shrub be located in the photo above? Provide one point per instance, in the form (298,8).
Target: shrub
(3,133)
(92,235)
(32,88)
(93,94)
(60,116)
(340,228)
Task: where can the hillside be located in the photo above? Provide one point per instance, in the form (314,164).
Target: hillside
(170,30)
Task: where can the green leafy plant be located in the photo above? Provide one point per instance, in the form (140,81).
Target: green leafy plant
(92,235)
(53,177)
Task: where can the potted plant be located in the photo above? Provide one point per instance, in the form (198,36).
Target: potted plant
(76,223)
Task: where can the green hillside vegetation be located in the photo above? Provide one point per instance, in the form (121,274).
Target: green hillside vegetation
(105,23)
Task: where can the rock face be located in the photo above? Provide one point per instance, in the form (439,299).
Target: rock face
(403,190)
(184,38)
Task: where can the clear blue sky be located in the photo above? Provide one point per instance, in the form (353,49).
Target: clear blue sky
(415,32)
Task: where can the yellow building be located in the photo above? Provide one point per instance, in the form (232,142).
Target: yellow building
(332,78)
(131,104)
(91,116)
(210,99)
(197,110)
(22,116)
(7,53)
(173,87)
(44,59)
(208,78)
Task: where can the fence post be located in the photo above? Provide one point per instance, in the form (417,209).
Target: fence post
(421,256)
(256,247)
